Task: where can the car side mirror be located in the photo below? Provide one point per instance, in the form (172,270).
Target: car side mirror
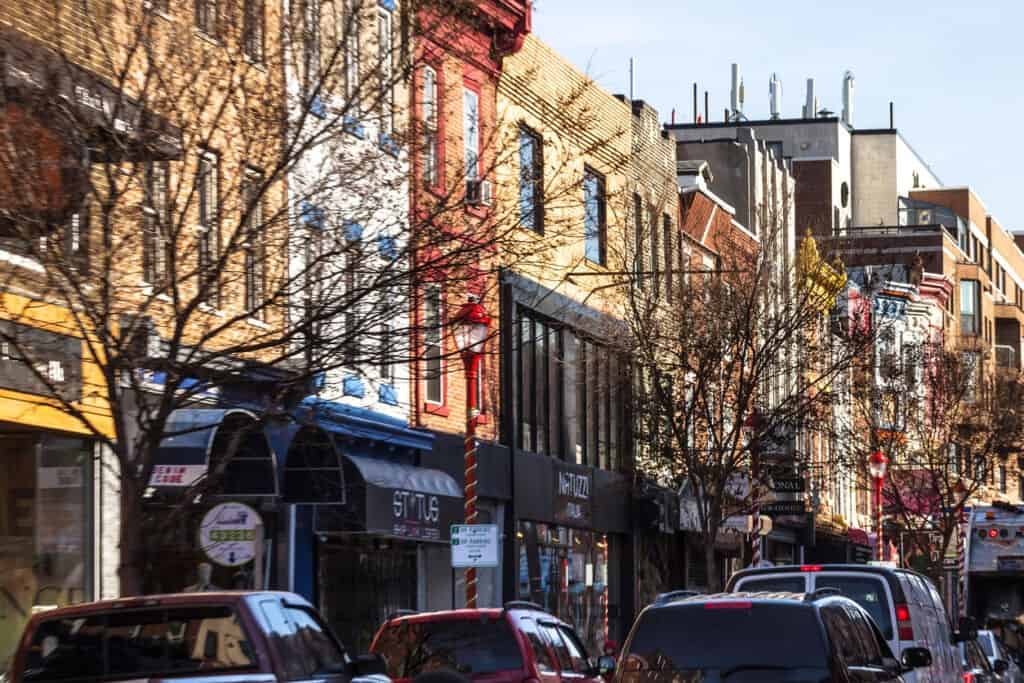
(369,665)
(1000,666)
(916,657)
(605,664)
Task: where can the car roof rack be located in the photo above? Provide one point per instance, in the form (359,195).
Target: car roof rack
(524,604)
(822,593)
(671,596)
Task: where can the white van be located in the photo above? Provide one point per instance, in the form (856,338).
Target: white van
(905,606)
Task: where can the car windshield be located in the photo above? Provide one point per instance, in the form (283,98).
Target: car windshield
(470,647)
(774,584)
(138,644)
(866,591)
(736,640)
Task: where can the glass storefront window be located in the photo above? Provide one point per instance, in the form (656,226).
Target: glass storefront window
(45,528)
(566,571)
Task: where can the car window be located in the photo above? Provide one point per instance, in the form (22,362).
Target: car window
(707,637)
(467,646)
(973,657)
(321,652)
(577,653)
(283,638)
(840,634)
(561,650)
(865,634)
(986,644)
(541,653)
(773,584)
(866,591)
(142,643)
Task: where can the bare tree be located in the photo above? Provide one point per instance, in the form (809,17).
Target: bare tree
(214,200)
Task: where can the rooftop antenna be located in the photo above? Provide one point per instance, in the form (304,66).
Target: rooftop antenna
(848,98)
(632,78)
(736,95)
(810,105)
(774,94)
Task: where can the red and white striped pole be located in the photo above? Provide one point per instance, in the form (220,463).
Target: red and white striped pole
(961,562)
(469,462)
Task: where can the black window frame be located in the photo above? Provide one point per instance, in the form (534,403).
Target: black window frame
(532,177)
(155,221)
(254,248)
(207,16)
(638,239)
(433,344)
(208,237)
(652,219)
(254,28)
(667,240)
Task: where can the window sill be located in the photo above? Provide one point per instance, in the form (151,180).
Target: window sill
(203,35)
(259,65)
(207,308)
(257,323)
(436,409)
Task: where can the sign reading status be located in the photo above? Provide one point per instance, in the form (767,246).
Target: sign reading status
(228,534)
(475,545)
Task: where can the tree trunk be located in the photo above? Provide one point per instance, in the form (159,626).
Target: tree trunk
(130,567)
(711,565)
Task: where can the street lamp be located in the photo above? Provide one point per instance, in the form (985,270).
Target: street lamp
(470,329)
(877,466)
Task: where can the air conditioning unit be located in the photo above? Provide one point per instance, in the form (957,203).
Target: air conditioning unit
(479,192)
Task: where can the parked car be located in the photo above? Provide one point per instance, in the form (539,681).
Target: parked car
(1000,659)
(977,668)
(520,642)
(905,606)
(760,638)
(258,637)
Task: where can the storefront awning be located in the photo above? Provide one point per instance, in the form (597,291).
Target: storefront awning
(221,451)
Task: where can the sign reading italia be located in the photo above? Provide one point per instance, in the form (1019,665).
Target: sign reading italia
(573,490)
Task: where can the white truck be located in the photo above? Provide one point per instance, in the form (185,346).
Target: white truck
(995,568)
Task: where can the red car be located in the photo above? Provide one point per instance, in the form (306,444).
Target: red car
(520,643)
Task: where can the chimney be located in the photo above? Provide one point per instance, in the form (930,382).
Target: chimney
(848,98)
(810,108)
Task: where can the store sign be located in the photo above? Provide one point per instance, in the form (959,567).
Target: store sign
(573,490)
(40,362)
(789,485)
(229,534)
(475,545)
(181,476)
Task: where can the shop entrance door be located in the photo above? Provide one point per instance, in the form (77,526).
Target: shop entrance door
(360,584)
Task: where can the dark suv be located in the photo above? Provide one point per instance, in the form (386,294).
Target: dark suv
(757,638)
(520,643)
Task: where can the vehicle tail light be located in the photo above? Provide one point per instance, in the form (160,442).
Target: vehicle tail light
(732,604)
(968,678)
(903,624)
(810,567)
(992,533)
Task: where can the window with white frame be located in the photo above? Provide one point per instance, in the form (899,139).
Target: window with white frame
(352,56)
(430,127)
(471,132)
(208,237)
(386,71)
(433,354)
(155,215)
(253,28)
(252,206)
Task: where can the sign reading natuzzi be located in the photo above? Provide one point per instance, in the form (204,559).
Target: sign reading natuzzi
(573,491)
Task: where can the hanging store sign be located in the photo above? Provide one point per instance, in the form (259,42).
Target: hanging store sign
(573,491)
(229,534)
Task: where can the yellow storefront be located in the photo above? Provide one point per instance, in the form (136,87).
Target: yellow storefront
(47,464)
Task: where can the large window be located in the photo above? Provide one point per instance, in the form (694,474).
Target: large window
(638,234)
(571,394)
(311,42)
(46,527)
(531,180)
(253,23)
(206,16)
(433,354)
(352,56)
(253,244)
(208,233)
(667,242)
(594,216)
(471,132)
(970,304)
(431,141)
(655,256)
(155,214)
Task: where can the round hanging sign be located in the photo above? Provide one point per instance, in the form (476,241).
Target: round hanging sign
(228,534)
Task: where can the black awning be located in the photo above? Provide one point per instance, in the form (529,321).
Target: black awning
(222,451)
(394,499)
(76,98)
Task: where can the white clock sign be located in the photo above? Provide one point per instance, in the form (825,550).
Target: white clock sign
(228,534)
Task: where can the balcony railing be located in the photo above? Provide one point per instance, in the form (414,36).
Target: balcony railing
(1006,356)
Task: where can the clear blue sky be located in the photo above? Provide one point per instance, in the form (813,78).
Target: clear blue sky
(954,69)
